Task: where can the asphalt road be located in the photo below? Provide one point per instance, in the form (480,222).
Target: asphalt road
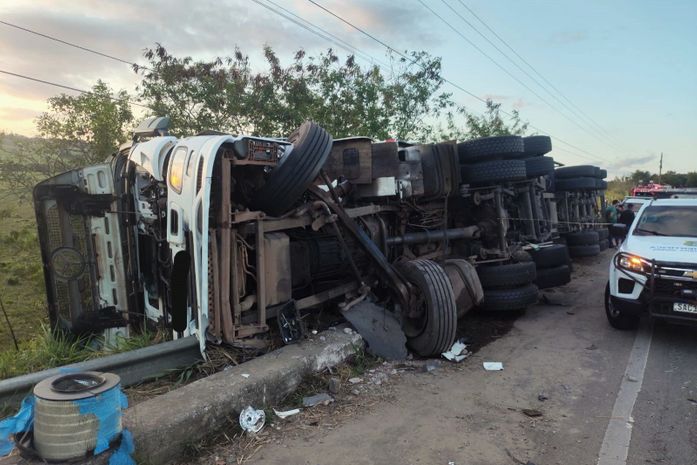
(605,389)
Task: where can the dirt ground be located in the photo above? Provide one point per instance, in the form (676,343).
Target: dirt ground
(563,367)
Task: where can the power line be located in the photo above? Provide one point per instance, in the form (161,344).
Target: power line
(579,111)
(457,86)
(71,44)
(519,81)
(62,86)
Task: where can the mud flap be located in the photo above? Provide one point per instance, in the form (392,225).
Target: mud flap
(380,328)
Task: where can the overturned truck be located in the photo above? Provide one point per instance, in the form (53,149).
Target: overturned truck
(217,235)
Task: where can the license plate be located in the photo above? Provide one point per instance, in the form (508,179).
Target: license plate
(684,308)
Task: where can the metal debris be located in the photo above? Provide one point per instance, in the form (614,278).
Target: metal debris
(380,329)
(318,399)
(286,413)
(252,420)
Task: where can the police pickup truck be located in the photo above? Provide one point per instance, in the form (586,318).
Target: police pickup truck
(655,269)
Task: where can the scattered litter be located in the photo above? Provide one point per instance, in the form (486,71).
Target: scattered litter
(694,401)
(430,366)
(245,375)
(322,338)
(493,366)
(355,380)
(542,397)
(318,399)
(314,331)
(591,347)
(252,420)
(451,463)
(457,353)
(379,378)
(334,385)
(286,413)
(531,412)
(348,330)
(355,392)
(632,379)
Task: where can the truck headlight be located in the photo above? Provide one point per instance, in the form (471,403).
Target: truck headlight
(633,263)
(176,169)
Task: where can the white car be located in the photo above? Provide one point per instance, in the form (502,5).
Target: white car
(655,269)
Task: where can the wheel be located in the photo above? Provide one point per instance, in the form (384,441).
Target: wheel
(575,184)
(493,172)
(551,256)
(601,185)
(539,166)
(466,285)
(553,277)
(602,174)
(617,318)
(603,233)
(537,145)
(506,276)
(433,331)
(568,172)
(488,147)
(517,298)
(295,171)
(584,250)
(587,237)
(604,244)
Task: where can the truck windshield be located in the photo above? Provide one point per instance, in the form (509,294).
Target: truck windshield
(678,221)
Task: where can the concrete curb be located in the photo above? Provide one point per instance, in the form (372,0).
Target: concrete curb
(164,426)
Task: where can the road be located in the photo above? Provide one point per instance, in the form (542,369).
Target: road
(606,390)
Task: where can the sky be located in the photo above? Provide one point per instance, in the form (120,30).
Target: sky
(617,81)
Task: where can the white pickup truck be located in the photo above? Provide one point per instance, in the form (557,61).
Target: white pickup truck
(655,269)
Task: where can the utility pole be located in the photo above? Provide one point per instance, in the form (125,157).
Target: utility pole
(660,169)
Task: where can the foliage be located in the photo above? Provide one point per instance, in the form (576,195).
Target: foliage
(346,99)
(76,131)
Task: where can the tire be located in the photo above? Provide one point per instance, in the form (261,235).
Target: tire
(507,276)
(575,184)
(537,145)
(517,298)
(602,174)
(493,172)
(601,185)
(553,277)
(434,332)
(584,250)
(604,244)
(617,318)
(488,147)
(539,166)
(586,237)
(550,257)
(568,172)
(603,233)
(290,178)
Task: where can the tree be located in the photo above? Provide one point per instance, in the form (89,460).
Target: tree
(639,176)
(76,131)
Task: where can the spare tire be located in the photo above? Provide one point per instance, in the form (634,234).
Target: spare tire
(549,257)
(566,172)
(517,298)
(575,184)
(506,276)
(603,233)
(602,174)
(493,172)
(604,244)
(539,166)
(537,145)
(601,184)
(553,277)
(487,147)
(295,171)
(433,332)
(584,250)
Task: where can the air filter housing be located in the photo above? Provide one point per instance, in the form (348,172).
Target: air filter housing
(76,414)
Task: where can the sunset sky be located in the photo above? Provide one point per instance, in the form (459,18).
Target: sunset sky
(630,66)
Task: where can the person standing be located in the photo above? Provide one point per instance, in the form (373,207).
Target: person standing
(627,218)
(611,219)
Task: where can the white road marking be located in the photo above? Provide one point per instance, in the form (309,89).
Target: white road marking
(618,434)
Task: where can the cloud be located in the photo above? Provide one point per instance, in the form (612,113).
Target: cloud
(625,165)
(569,37)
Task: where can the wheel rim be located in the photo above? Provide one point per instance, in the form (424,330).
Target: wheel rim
(614,312)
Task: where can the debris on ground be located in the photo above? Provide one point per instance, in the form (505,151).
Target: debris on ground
(457,353)
(334,385)
(430,365)
(348,331)
(252,420)
(533,413)
(286,413)
(380,329)
(318,399)
(355,380)
(591,347)
(245,375)
(493,366)
(542,397)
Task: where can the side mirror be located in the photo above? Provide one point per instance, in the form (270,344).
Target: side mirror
(152,127)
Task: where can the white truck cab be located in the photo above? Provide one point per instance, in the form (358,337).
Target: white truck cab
(655,268)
